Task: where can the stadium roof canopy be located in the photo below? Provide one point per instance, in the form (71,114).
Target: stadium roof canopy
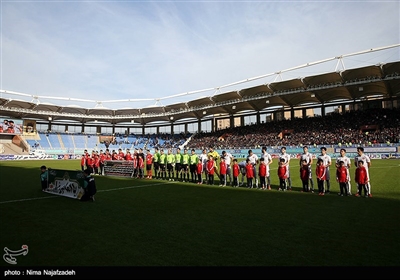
(378,81)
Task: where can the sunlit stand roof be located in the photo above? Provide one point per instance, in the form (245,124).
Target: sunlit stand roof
(380,80)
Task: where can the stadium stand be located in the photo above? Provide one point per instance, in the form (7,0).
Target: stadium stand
(43,141)
(370,127)
(54,140)
(367,128)
(360,93)
(353,128)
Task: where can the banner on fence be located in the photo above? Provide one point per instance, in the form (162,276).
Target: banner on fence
(67,183)
(118,168)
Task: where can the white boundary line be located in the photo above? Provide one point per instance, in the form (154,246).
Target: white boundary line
(27,199)
(108,190)
(134,187)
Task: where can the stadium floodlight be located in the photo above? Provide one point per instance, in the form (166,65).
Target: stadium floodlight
(50,118)
(267,101)
(233,107)
(312,95)
(171,118)
(204,112)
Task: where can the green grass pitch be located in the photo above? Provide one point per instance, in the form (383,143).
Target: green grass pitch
(140,223)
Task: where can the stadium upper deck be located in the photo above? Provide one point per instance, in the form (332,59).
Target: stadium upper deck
(378,81)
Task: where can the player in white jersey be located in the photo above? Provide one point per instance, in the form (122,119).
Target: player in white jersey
(327,161)
(228,161)
(267,160)
(253,158)
(367,164)
(347,164)
(307,159)
(204,158)
(286,162)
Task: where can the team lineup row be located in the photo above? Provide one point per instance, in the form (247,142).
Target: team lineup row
(191,167)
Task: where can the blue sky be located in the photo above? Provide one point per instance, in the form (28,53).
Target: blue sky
(118,50)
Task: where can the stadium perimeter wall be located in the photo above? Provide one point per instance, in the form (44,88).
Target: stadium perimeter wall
(376,152)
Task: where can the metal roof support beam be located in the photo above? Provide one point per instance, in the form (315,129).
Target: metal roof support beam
(340,61)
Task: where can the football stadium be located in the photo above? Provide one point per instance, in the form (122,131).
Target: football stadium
(165,217)
(252,179)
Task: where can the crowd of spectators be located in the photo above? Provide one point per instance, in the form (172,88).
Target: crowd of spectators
(163,140)
(352,128)
(368,127)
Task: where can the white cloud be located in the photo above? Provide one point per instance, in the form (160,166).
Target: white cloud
(139,50)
